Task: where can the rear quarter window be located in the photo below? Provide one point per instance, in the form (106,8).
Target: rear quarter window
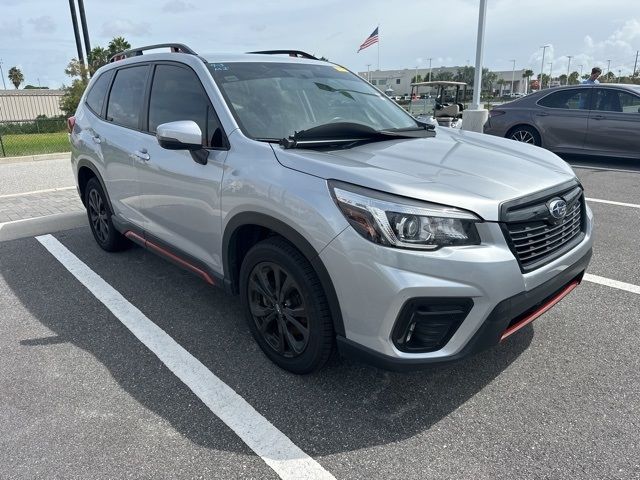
(98,92)
(126,97)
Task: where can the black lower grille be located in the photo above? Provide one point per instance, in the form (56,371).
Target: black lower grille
(544,238)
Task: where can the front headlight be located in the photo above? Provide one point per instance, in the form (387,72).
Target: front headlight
(404,223)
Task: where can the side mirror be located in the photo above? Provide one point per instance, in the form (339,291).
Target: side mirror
(183,135)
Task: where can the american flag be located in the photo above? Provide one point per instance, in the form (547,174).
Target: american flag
(371,39)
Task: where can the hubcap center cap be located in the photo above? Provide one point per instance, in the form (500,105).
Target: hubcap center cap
(278,309)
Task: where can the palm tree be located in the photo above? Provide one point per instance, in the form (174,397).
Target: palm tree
(443,76)
(15,76)
(97,58)
(117,45)
(501,82)
(527,74)
(573,78)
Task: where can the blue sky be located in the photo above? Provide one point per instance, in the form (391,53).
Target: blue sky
(36,35)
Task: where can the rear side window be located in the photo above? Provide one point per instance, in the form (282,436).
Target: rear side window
(609,100)
(126,96)
(574,99)
(176,94)
(98,92)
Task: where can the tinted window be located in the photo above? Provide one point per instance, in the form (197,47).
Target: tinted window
(176,94)
(98,92)
(577,99)
(126,96)
(608,100)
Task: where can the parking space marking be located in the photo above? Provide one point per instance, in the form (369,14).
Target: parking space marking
(587,167)
(269,443)
(46,190)
(611,202)
(628,287)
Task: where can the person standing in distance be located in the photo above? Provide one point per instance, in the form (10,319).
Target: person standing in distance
(595,73)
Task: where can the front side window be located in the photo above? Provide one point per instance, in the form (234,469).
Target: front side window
(573,99)
(610,100)
(273,100)
(98,92)
(127,92)
(176,94)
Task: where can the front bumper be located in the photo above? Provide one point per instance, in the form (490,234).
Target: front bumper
(373,283)
(506,318)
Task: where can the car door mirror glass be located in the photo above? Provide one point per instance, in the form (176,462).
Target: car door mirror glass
(180,135)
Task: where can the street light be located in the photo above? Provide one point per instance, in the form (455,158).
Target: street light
(581,71)
(513,72)
(544,48)
(2,75)
(550,72)
(568,67)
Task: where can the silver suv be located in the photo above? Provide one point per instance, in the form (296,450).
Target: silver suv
(339,219)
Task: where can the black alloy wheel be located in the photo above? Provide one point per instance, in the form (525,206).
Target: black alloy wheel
(278,309)
(99,216)
(285,306)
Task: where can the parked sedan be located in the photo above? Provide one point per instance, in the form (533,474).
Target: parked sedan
(601,119)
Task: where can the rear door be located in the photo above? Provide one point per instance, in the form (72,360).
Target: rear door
(562,118)
(119,139)
(614,123)
(181,198)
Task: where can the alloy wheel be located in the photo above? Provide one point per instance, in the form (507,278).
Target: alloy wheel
(278,309)
(98,216)
(523,136)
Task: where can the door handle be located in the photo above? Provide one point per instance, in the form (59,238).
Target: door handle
(598,117)
(96,139)
(542,114)
(142,154)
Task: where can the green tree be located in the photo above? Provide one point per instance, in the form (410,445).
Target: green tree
(608,77)
(416,79)
(545,80)
(488,79)
(563,79)
(97,58)
(527,74)
(465,74)
(501,83)
(443,76)
(15,76)
(573,78)
(117,45)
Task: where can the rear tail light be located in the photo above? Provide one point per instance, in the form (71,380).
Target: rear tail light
(71,122)
(496,113)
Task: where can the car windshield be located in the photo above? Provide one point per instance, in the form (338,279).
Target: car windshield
(274,100)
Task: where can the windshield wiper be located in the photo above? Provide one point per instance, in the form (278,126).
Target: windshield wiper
(347,132)
(343,91)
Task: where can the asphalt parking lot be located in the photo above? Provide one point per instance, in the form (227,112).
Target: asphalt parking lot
(84,394)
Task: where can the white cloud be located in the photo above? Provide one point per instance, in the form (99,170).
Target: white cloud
(43,25)
(177,6)
(119,27)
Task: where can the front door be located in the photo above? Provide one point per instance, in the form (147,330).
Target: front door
(562,119)
(614,123)
(180,197)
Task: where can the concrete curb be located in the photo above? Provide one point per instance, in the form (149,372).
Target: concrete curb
(30,227)
(36,158)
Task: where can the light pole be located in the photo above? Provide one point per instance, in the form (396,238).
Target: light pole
(368,74)
(608,69)
(513,73)
(544,48)
(475,117)
(550,72)
(581,71)
(430,68)
(569,67)
(4,85)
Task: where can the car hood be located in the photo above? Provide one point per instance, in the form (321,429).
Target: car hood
(467,170)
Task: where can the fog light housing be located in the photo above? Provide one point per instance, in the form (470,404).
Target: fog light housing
(427,324)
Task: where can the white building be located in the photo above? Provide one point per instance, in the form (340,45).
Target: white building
(24,105)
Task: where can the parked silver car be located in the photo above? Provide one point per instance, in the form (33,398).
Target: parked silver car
(600,119)
(336,216)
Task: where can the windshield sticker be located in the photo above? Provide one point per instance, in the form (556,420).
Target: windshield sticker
(219,66)
(231,78)
(340,69)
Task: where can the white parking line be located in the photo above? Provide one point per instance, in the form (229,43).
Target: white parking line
(273,446)
(628,287)
(46,190)
(588,167)
(611,202)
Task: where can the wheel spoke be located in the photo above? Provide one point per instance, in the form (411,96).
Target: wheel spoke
(256,285)
(286,287)
(296,345)
(291,318)
(281,336)
(268,320)
(259,310)
(265,284)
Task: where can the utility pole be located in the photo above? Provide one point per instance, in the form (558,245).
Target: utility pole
(634,65)
(76,32)
(608,68)
(85,32)
(416,74)
(432,59)
(368,74)
(581,71)
(476,116)
(543,47)
(513,73)
(569,67)
(4,85)
(550,72)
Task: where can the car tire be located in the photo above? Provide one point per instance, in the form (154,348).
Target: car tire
(99,215)
(276,280)
(525,134)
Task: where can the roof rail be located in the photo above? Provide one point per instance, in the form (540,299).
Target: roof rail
(291,53)
(134,52)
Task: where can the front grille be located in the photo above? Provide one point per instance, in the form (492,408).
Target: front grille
(543,238)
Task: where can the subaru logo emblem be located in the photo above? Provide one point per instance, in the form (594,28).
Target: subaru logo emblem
(558,208)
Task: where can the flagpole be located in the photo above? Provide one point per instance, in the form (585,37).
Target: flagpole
(378,47)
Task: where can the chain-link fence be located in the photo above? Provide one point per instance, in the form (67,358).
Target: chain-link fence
(42,135)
